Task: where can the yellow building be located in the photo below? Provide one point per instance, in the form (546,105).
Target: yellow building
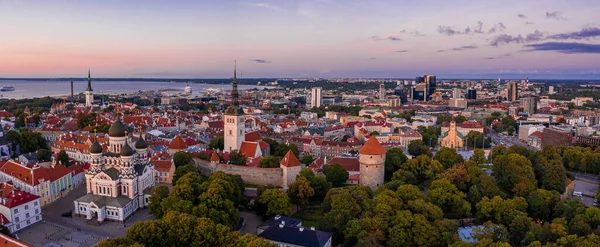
(451,138)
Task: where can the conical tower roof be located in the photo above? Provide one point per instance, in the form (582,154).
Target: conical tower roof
(289,160)
(372,147)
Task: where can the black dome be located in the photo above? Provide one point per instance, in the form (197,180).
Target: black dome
(126,150)
(117,129)
(141,143)
(95,148)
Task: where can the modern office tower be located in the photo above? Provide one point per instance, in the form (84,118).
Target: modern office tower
(316,98)
(430,84)
(529,105)
(381,91)
(472,94)
(512,91)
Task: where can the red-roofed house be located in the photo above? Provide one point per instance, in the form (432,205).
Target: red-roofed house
(20,208)
(291,168)
(48,183)
(251,149)
(177,145)
(164,170)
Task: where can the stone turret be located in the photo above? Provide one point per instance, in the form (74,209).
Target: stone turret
(372,163)
(291,168)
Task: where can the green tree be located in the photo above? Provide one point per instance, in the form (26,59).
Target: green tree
(422,167)
(278,203)
(307,159)
(182,158)
(217,143)
(300,192)
(394,158)
(418,147)
(14,138)
(476,139)
(237,158)
(269,162)
(181,171)
(542,203)
(430,135)
(32,141)
(158,194)
(448,157)
(63,158)
(515,174)
(452,201)
(478,156)
(460,118)
(459,176)
(43,155)
(85,119)
(336,174)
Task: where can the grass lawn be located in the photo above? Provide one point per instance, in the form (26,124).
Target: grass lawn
(310,217)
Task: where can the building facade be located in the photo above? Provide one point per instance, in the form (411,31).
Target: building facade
(452,138)
(89,93)
(20,209)
(316,98)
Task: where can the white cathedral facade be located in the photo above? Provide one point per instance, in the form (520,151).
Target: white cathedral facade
(119,180)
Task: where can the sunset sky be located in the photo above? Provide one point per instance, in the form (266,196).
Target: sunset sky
(311,38)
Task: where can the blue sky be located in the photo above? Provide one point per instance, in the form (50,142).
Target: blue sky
(310,38)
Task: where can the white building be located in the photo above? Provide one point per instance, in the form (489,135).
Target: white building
(118,182)
(316,98)
(462,103)
(18,209)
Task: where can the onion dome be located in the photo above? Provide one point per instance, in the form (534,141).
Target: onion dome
(95,148)
(117,129)
(126,150)
(141,143)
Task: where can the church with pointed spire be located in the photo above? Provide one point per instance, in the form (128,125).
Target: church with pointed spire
(234,120)
(119,178)
(89,93)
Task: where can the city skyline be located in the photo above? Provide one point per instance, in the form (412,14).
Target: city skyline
(187,39)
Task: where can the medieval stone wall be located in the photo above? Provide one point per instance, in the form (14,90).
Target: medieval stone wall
(250,175)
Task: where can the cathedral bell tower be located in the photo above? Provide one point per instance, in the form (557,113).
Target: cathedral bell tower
(233,118)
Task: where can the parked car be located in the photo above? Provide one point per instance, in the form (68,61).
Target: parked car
(68,214)
(577,193)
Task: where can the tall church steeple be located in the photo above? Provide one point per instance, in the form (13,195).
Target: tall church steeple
(89,87)
(89,93)
(234,108)
(235,129)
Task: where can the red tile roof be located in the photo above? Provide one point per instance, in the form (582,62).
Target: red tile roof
(290,160)
(17,197)
(372,147)
(253,136)
(351,164)
(214,157)
(263,144)
(538,134)
(177,143)
(248,149)
(162,165)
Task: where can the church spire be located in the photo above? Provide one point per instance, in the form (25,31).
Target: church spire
(234,108)
(89,87)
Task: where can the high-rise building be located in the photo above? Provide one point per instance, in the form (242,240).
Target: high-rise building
(234,120)
(457,93)
(472,94)
(381,91)
(462,103)
(430,84)
(512,91)
(71,88)
(89,93)
(316,98)
(529,105)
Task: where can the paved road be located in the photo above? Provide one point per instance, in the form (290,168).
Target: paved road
(507,141)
